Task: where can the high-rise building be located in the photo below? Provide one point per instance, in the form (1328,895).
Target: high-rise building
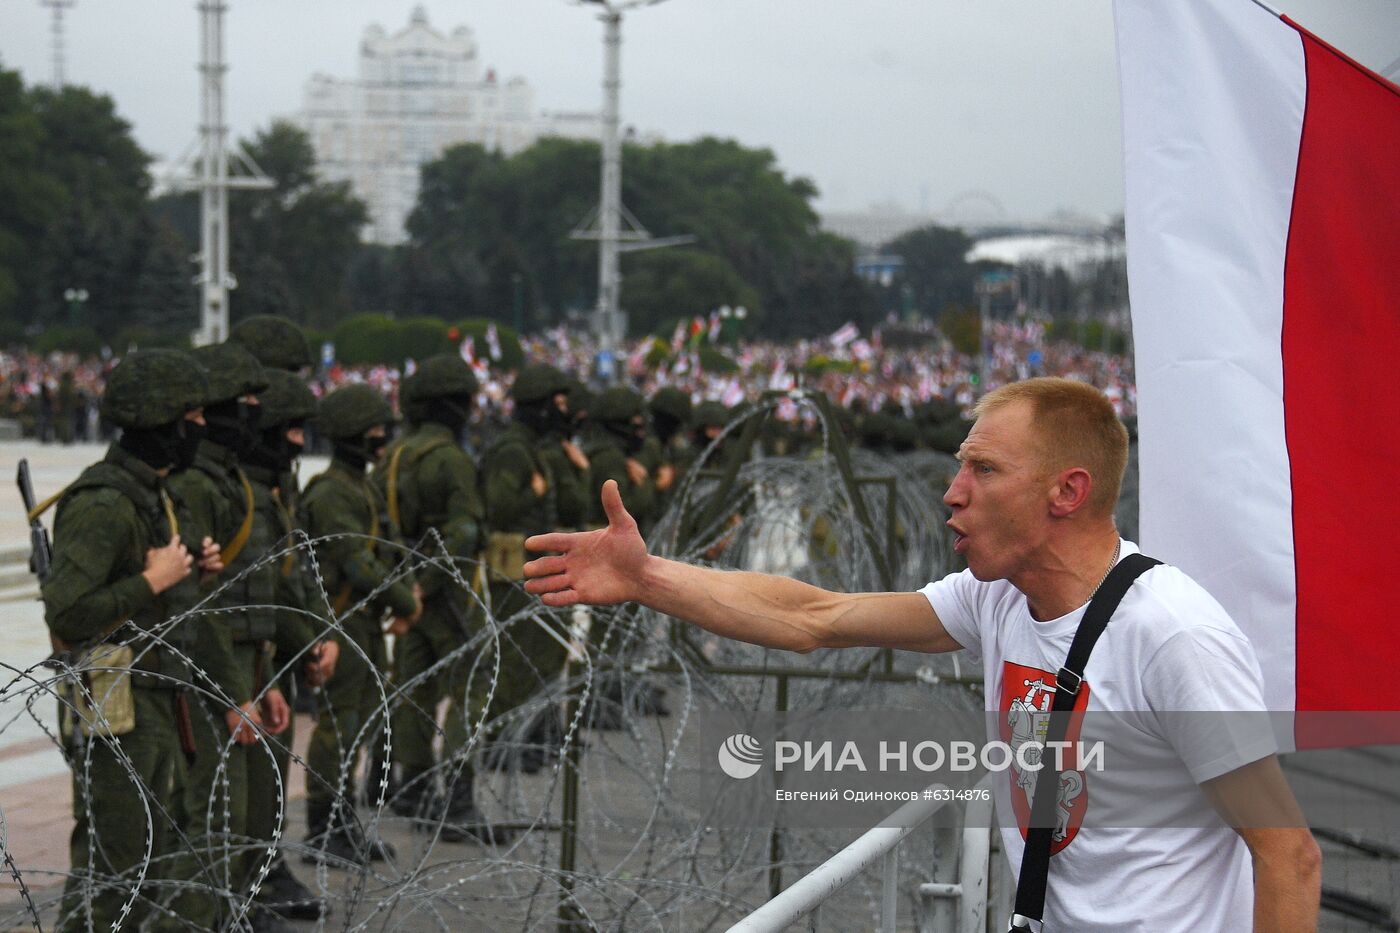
(418,92)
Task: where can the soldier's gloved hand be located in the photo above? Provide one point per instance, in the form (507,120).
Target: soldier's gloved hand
(538,484)
(276,714)
(211,559)
(167,566)
(636,472)
(244,730)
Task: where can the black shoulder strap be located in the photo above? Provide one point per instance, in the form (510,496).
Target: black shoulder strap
(1035,859)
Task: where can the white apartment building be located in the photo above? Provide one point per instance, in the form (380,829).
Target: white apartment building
(418,92)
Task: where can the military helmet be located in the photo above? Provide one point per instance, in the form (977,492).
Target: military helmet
(441,376)
(231,370)
(351,410)
(286,399)
(276,342)
(150,388)
(539,382)
(671,401)
(711,413)
(616,404)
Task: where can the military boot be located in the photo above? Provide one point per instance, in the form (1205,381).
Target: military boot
(462,821)
(289,898)
(344,839)
(412,794)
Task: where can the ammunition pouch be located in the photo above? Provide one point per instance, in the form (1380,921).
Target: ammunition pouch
(97,699)
(505,555)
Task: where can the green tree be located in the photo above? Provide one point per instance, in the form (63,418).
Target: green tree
(484,222)
(667,284)
(936,269)
(30,199)
(293,247)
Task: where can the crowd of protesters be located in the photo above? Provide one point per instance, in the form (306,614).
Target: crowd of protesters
(54,398)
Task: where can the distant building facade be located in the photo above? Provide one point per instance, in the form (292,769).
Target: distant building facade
(418,92)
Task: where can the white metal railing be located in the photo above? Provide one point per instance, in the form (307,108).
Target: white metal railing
(946,901)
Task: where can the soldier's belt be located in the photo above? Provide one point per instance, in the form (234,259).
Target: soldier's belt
(505,555)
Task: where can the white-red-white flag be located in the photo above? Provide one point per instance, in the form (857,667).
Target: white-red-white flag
(1263,222)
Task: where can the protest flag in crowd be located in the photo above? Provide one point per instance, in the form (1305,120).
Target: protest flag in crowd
(1263,191)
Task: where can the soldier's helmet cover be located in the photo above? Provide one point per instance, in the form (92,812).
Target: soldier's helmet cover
(276,342)
(671,401)
(286,399)
(446,375)
(711,414)
(231,370)
(151,388)
(617,404)
(350,411)
(539,382)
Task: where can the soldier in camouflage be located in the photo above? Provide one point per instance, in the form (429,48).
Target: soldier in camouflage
(434,505)
(534,478)
(288,407)
(222,503)
(613,447)
(665,452)
(121,572)
(342,507)
(290,637)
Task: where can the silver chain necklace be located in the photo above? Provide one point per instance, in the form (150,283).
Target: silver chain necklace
(1117,549)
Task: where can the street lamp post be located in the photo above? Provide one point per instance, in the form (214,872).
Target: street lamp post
(76,298)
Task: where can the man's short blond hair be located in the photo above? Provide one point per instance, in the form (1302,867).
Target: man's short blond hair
(1077,427)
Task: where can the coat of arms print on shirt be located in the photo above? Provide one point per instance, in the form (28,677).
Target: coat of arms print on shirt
(1026,697)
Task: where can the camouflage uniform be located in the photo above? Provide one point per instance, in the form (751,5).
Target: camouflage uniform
(286,636)
(343,503)
(96,599)
(531,446)
(666,450)
(283,350)
(223,505)
(430,485)
(618,435)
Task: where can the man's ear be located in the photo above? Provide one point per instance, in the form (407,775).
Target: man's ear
(1071,491)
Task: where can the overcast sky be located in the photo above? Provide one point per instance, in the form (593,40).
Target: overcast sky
(908,101)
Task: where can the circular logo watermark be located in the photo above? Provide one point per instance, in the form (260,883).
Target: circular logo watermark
(740,756)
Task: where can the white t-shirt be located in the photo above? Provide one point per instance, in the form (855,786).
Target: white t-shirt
(1168,647)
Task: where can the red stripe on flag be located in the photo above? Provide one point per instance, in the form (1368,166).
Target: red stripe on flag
(1341,355)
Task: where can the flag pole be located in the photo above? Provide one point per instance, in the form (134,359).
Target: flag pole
(1261,4)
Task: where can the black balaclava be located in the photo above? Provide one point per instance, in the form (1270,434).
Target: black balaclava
(543,417)
(452,412)
(665,425)
(171,445)
(632,435)
(273,450)
(233,424)
(360,451)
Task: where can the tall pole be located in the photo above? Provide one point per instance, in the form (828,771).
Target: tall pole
(609,325)
(214,279)
(59,52)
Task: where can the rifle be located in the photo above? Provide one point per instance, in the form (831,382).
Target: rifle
(40,552)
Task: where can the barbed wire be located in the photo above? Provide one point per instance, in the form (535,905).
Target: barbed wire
(646,855)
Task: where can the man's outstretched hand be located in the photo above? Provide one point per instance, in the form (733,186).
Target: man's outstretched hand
(598,568)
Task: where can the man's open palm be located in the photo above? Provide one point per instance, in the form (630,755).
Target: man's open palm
(599,568)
